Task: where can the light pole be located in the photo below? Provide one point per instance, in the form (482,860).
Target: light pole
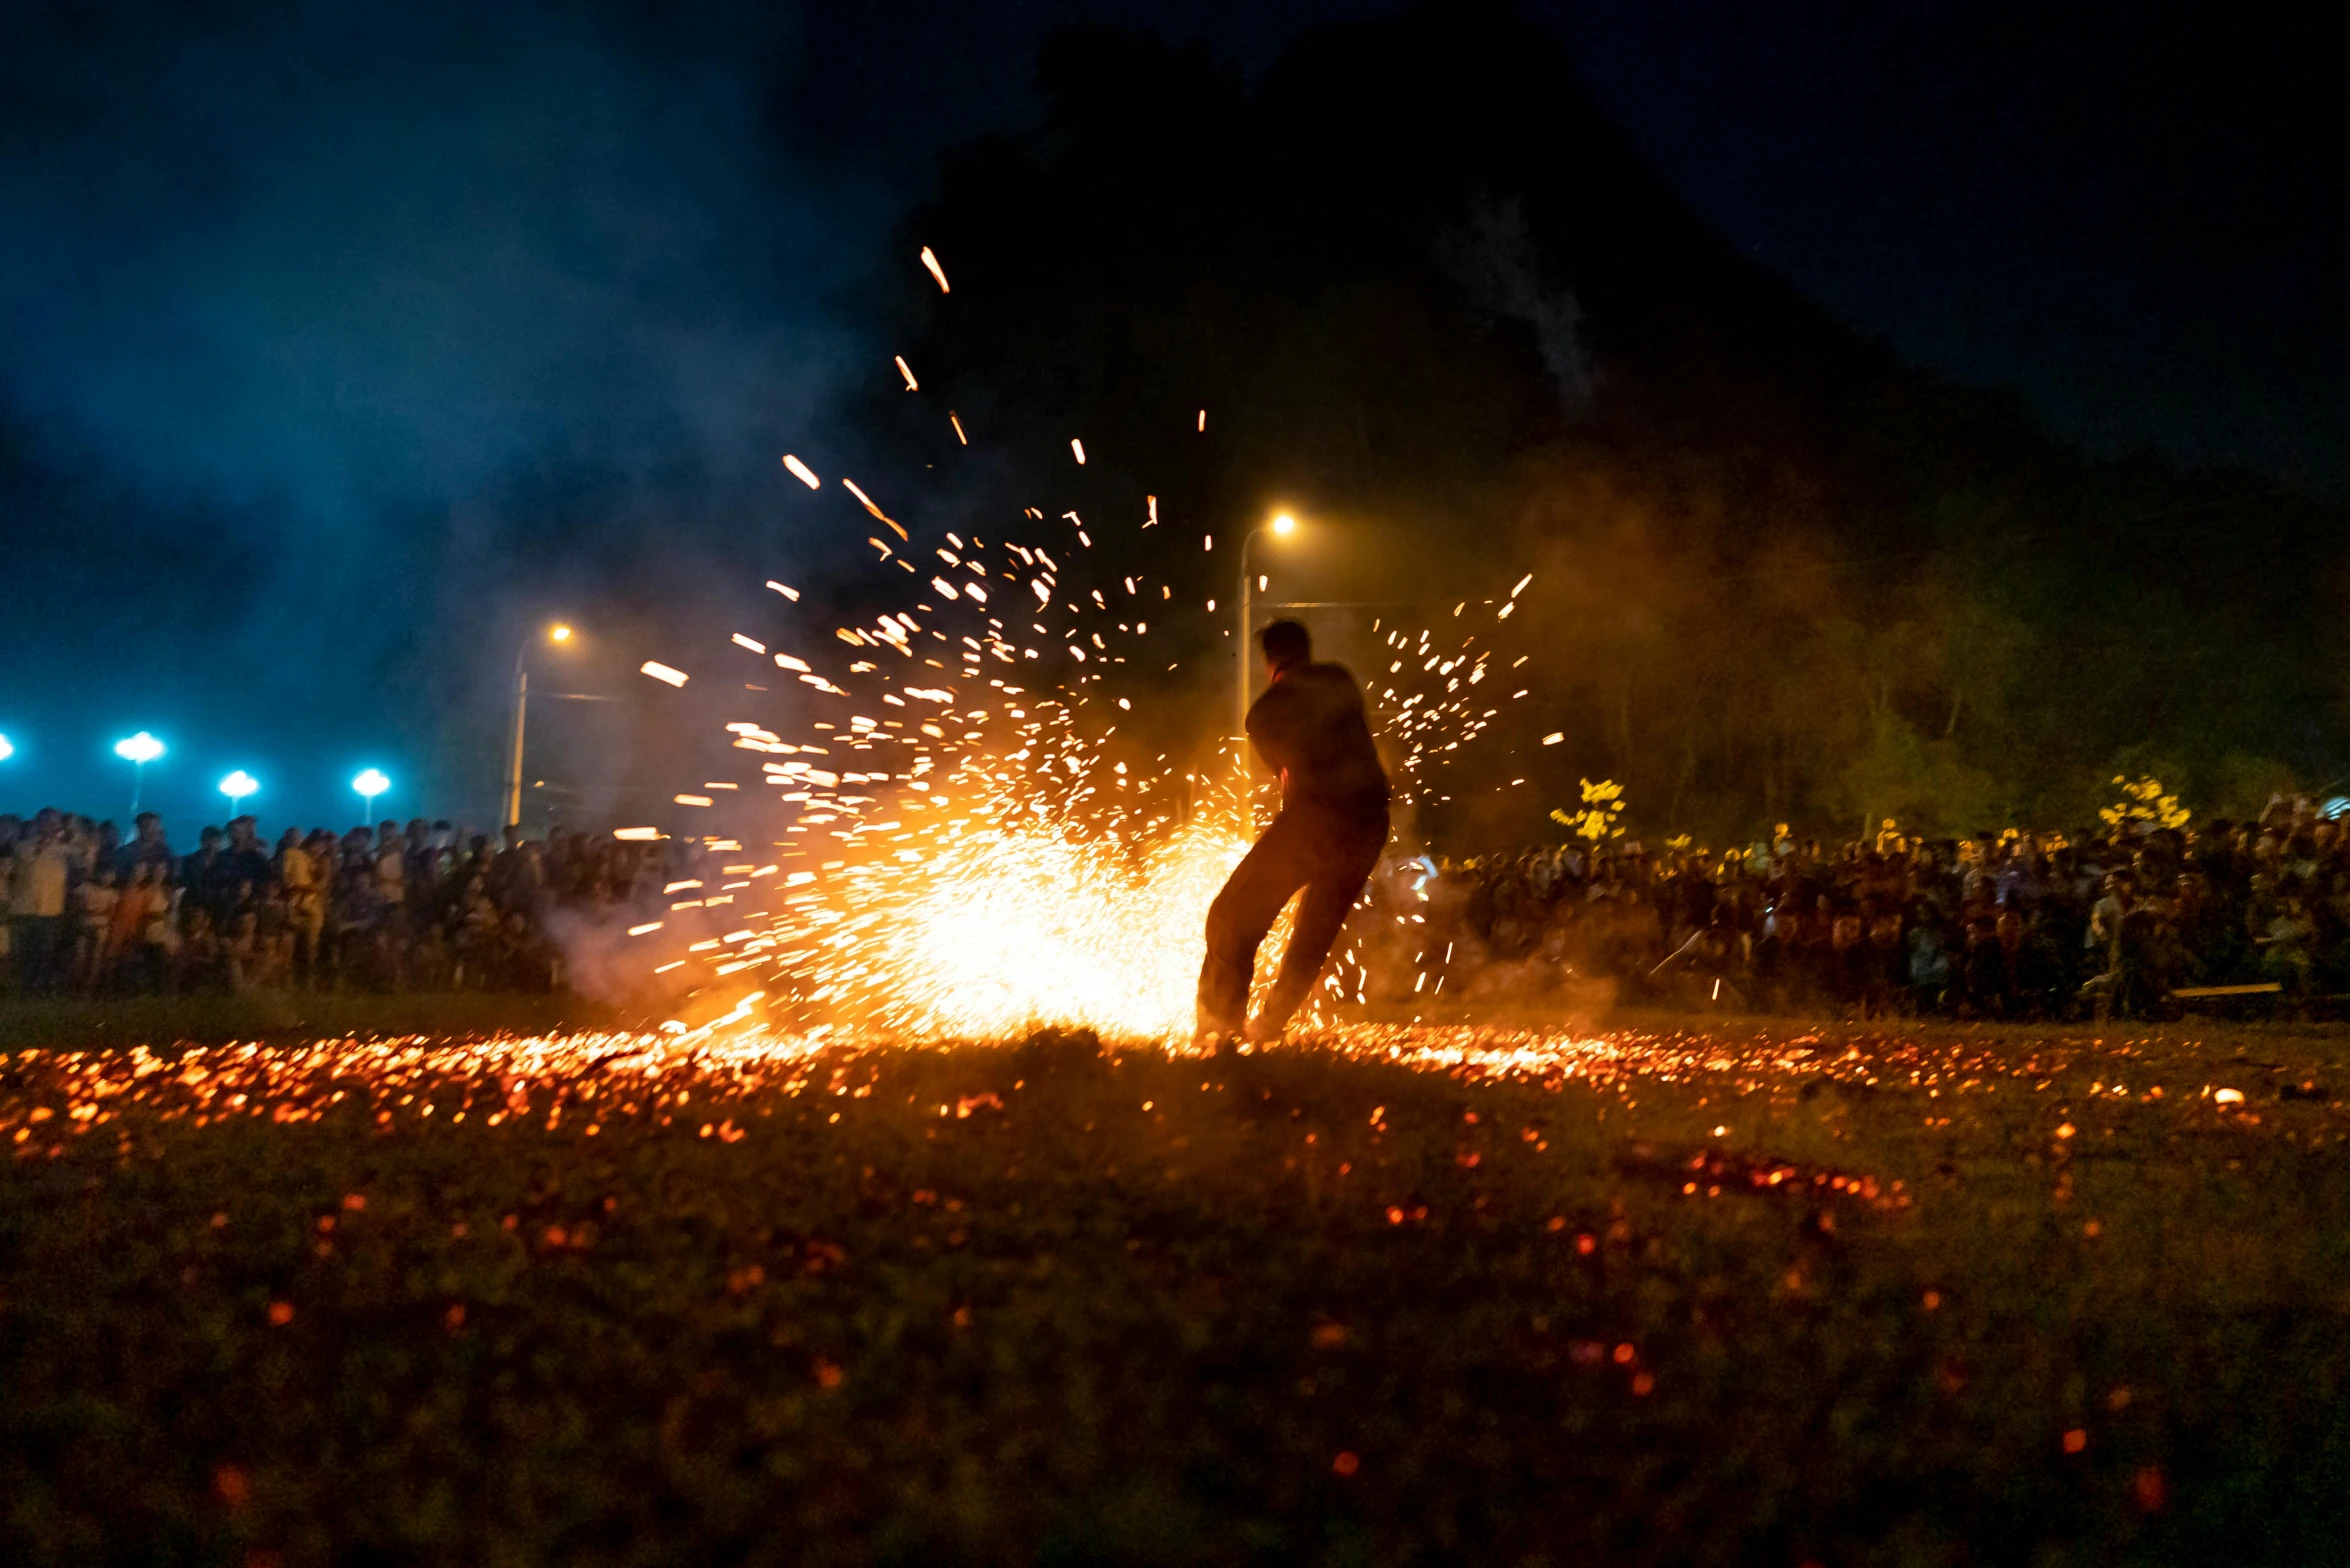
(1282,525)
(558,634)
(371,783)
(138,750)
(236,787)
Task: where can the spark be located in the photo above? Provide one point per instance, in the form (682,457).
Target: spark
(801,471)
(662,672)
(907,371)
(936,271)
(867,501)
(1001,856)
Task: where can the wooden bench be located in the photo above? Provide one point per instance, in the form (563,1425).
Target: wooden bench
(2197,993)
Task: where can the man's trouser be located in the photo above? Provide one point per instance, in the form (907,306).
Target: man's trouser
(35,941)
(1327,849)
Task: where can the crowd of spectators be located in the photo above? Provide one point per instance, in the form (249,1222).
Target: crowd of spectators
(2013,925)
(420,907)
(1998,926)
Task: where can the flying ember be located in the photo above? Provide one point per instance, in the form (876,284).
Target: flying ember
(966,844)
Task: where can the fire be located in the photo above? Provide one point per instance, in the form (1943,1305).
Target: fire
(967,847)
(1013,922)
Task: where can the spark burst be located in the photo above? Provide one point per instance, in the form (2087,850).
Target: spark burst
(971,847)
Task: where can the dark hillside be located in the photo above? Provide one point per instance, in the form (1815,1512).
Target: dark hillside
(1421,283)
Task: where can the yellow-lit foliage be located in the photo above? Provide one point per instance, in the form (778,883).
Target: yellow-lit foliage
(2143,802)
(1603,804)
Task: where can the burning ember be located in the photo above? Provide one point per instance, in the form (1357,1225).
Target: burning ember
(967,845)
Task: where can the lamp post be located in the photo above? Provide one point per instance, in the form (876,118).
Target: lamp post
(1282,525)
(138,750)
(371,783)
(236,787)
(558,634)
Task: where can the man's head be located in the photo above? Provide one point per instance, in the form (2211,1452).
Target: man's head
(1286,644)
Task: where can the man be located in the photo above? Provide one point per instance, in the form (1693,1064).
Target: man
(1309,727)
(148,847)
(299,873)
(2116,929)
(36,904)
(204,878)
(245,870)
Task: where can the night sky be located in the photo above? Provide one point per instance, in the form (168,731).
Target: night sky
(343,347)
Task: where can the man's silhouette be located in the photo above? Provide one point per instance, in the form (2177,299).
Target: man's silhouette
(1309,727)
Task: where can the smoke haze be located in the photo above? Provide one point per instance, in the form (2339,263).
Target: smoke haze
(381,335)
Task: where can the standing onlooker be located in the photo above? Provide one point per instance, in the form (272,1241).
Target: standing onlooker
(137,903)
(94,898)
(36,905)
(148,846)
(298,874)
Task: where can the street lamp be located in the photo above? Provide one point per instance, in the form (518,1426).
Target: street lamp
(559,634)
(1281,525)
(371,783)
(236,787)
(6,750)
(138,750)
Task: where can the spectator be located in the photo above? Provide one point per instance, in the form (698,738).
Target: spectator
(93,908)
(2013,925)
(38,874)
(148,845)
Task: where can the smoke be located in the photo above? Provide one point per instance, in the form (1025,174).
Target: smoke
(1495,262)
(377,321)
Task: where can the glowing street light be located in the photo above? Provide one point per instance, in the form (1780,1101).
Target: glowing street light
(236,787)
(6,750)
(1281,525)
(560,635)
(138,750)
(371,783)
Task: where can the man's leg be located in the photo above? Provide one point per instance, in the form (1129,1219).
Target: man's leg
(1277,866)
(1345,852)
(42,961)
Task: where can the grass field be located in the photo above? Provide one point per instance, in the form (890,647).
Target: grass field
(78,1023)
(1763,1294)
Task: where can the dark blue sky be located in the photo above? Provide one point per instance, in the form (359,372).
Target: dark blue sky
(344,343)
